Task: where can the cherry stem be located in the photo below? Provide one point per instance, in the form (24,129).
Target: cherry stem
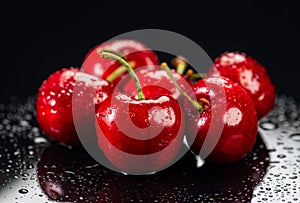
(198,75)
(194,76)
(180,64)
(113,55)
(189,73)
(119,71)
(195,103)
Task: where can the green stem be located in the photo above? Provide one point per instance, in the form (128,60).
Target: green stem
(180,64)
(181,68)
(195,103)
(198,76)
(119,71)
(113,55)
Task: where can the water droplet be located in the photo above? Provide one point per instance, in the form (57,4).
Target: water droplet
(200,161)
(25,174)
(24,123)
(295,137)
(281,156)
(268,126)
(23,191)
(93,166)
(30,147)
(288,148)
(70,172)
(30,166)
(40,140)
(33,177)
(50,173)
(31,153)
(17,152)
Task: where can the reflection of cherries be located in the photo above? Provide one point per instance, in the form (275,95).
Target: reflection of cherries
(54,102)
(157,119)
(136,53)
(251,75)
(71,175)
(228,182)
(236,115)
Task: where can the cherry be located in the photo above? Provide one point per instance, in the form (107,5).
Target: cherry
(236,115)
(136,53)
(142,134)
(251,75)
(54,102)
(159,78)
(226,129)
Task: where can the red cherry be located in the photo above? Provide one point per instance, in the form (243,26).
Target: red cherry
(146,126)
(231,124)
(128,127)
(136,53)
(54,102)
(157,78)
(251,75)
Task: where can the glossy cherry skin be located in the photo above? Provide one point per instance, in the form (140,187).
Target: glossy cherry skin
(129,130)
(228,126)
(54,102)
(251,75)
(160,79)
(134,51)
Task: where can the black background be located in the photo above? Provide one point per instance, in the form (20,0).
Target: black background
(38,39)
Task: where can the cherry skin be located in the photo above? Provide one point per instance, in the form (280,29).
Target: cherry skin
(128,127)
(251,75)
(142,134)
(160,79)
(136,53)
(54,102)
(229,126)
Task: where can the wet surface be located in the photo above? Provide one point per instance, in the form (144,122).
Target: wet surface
(35,169)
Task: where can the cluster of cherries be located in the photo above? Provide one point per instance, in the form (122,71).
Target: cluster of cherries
(127,86)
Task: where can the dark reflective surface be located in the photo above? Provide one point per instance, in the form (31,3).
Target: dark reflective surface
(34,169)
(71,175)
